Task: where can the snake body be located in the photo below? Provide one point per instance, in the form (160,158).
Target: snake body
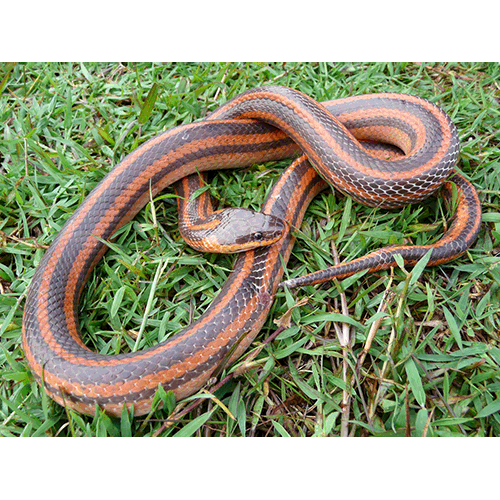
(261,125)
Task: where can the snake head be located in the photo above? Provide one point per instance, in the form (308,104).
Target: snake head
(241,229)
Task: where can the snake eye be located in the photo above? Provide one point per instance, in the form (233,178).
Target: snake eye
(257,236)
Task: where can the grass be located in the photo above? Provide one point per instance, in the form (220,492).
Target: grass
(388,354)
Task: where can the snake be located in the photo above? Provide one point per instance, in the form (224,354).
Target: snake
(330,142)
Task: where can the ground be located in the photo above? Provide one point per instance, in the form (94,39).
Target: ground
(423,358)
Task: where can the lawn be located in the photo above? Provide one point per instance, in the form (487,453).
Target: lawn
(423,357)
